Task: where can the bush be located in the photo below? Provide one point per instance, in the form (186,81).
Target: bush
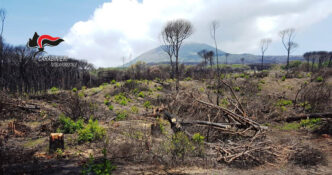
(319,79)
(54,89)
(237,89)
(103,168)
(310,123)
(110,107)
(106,102)
(283,78)
(121,115)
(295,64)
(147,104)
(134,109)
(74,89)
(159,88)
(198,139)
(113,82)
(92,131)
(162,124)
(180,145)
(284,102)
(141,94)
(68,126)
(121,99)
(188,79)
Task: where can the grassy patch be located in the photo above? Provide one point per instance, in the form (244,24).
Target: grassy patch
(34,143)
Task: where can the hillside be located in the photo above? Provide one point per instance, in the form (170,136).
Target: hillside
(188,54)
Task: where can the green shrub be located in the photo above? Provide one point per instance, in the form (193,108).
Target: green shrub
(103,168)
(162,124)
(306,106)
(147,104)
(59,153)
(68,126)
(81,94)
(92,131)
(283,78)
(141,94)
(106,102)
(310,123)
(121,99)
(180,145)
(262,81)
(159,88)
(295,64)
(54,89)
(135,91)
(198,138)
(224,102)
(110,107)
(117,84)
(201,89)
(83,88)
(121,115)
(113,82)
(188,79)
(74,89)
(134,109)
(284,102)
(105,84)
(319,79)
(237,89)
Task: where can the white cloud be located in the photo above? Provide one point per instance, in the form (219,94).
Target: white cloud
(127,27)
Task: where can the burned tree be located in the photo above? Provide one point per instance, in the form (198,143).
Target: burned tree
(2,18)
(264,46)
(168,48)
(226,55)
(178,31)
(287,37)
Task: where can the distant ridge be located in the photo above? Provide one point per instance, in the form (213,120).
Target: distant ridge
(188,54)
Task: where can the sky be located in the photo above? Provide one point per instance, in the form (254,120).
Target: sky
(104,31)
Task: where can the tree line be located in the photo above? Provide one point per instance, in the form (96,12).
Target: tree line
(25,70)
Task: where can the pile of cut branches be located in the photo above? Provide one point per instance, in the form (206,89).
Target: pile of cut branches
(250,154)
(188,109)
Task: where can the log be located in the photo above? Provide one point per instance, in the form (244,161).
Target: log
(56,142)
(218,125)
(305,116)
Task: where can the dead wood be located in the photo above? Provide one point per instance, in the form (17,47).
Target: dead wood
(306,116)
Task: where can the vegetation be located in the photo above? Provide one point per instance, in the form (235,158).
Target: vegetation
(69,126)
(103,168)
(121,115)
(92,131)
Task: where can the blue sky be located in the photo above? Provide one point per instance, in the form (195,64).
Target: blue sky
(103,32)
(54,17)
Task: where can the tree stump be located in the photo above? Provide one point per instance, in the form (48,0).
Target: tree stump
(56,141)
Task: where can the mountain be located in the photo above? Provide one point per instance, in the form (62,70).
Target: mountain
(188,55)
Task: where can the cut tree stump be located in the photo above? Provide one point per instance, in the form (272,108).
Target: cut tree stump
(56,142)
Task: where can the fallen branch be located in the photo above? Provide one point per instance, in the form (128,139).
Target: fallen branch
(239,118)
(306,116)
